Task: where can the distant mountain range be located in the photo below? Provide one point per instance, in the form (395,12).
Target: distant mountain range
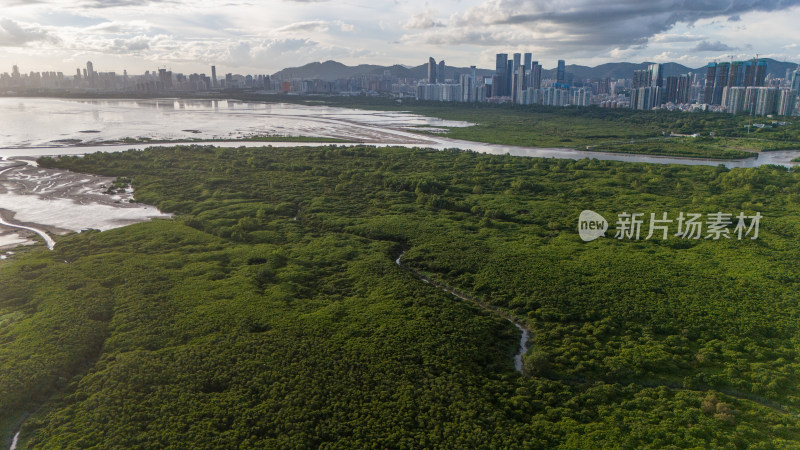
(332,70)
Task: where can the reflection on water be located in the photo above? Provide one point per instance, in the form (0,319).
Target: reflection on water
(55,126)
(43,122)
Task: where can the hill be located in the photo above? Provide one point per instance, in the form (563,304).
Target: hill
(332,70)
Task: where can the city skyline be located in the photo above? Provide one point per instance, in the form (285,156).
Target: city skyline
(59,35)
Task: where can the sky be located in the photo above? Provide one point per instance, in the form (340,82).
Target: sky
(262,37)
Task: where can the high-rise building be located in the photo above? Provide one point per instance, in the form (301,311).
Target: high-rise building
(561,77)
(467,88)
(736,75)
(431,71)
(711,75)
(796,80)
(641,78)
(501,65)
(656,78)
(755,72)
(720,82)
(787,101)
(90,72)
(509,78)
(440,72)
(717,75)
(766,102)
(536,75)
(165,78)
(496,83)
(684,85)
(527,59)
(646,98)
(214,76)
(671,90)
(676,89)
(519,83)
(733,99)
(517,61)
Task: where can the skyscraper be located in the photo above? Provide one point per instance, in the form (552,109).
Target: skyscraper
(796,80)
(527,59)
(656,78)
(467,88)
(682,95)
(720,83)
(736,74)
(536,75)
(641,78)
(509,78)
(788,98)
(440,72)
(755,72)
(214,76)
(501,65)
(517,61)
(90,72)
(561,77)
(671,90)
(431,71)
(519,83)
(711,75)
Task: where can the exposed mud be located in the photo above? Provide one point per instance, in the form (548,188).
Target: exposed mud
(35,200)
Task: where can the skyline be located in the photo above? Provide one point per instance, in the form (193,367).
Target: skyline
(60,35)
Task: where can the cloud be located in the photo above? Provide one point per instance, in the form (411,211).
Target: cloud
(13,34)
(674,38)
(133,45)
(105,4)
(569,24)
(319,26)
(422,21)
(706,46)
(114,27)
(312,25)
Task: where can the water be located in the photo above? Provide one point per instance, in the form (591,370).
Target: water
(524,338)
(14,442)
(45,122)
(41,126)
(523,348)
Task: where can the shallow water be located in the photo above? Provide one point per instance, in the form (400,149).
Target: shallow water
(41,126)
(36,122)
(42,201)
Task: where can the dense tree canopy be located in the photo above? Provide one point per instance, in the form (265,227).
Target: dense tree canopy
(270,312)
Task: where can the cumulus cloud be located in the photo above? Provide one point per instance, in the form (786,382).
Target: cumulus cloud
(133,45)
(14,34)
(706,46)
(423,21)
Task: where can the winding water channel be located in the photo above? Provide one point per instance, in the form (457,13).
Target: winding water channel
(47,239)
(526,333)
